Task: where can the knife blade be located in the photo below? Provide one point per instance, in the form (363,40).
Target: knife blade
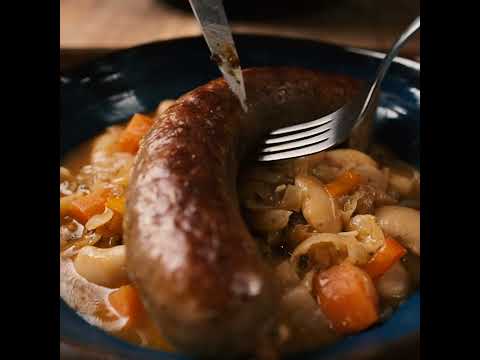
(217,33)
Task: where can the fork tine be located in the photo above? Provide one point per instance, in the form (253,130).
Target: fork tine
(297,144)
(308,150)
(299,135)
(310,124)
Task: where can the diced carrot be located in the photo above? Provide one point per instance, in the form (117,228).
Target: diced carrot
(384,258)
(129,139)
(347,297)
(83,208)
(117,204)
(126,301)
(344,184)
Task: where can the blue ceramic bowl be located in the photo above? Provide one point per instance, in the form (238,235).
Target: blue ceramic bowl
(111,89)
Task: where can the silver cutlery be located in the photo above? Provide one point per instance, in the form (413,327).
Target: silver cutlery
(335,128)
(216,31)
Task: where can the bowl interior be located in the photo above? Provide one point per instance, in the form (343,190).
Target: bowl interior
(111,89)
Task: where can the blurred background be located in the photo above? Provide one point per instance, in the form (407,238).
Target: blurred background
(89,28)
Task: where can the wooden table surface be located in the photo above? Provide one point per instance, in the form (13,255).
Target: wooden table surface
(92,27)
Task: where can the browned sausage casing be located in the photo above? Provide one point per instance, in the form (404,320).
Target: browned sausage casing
(198,269)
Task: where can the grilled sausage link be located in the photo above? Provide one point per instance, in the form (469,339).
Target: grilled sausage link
(198,269)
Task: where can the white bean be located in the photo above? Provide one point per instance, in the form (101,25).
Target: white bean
(87,298)
(308,325)
(401,223)
(347,158)
(341,159)
(104,267)
(395,283)
(403,179)
(372,176)
(318,207)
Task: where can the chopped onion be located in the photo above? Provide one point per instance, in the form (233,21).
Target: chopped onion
(66,188)
(90,238)
(370,233)
(103,144)
(105,168)
(100,219)
(305,246)
(349,207)
(356,253)
(71,230)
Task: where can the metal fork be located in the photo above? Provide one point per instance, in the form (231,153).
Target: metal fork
(318,135)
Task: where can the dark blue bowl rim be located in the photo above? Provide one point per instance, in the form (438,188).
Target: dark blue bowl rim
(412,64)
(348,347)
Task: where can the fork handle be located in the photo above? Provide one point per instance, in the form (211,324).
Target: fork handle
(388,59)
(406,35)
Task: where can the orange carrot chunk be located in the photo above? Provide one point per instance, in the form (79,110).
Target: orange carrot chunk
(347,297)
(129,140)
(83,208)
(117,204)
(344,184)
(126,301)
(384,258)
